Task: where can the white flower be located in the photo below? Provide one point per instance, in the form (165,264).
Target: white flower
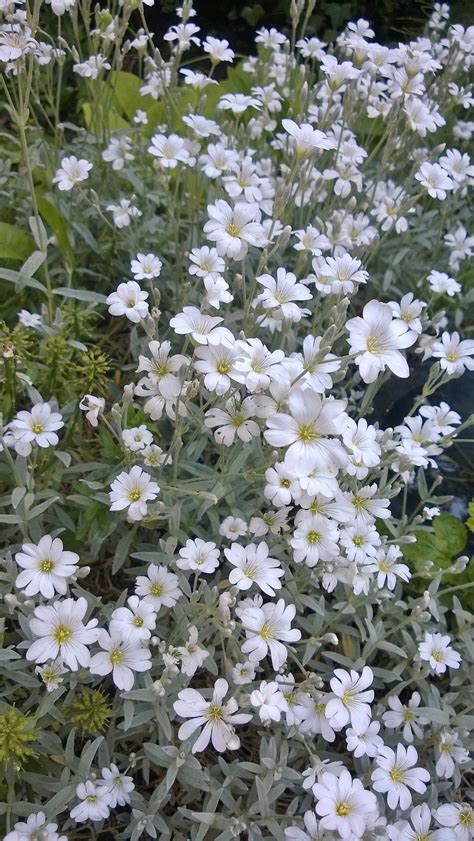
(192,655)
(265,627)
(338,275)
(36,427)
(313,830)
(353,699)
(204,329)
(243,673)
(377,338)
(124,212)
(307,139)
(117,785)
(137,438)
(304,430)
(252,565)
(91,68)
(29,319)
(133,490)
(216,362)
(120,656)
(238,103)
(443,283)
(436,649)
(217,291)
(450,754)
(218,718)
(408,310)
(46,567)
(162,369)
(280,294)
(169,150)
(233,229)
(135,622)
(235,420)
(71,172)
(408,716)
(455,356)
(218,50)
(51,673)
(129,300)
(205,261)
(199,556)
(118,152)
(315,539)
(387,567)
(93,407)
(435,179)
(35,827)
(269,701)
(61,633)
(396,775)
(459,817)
(420,819)
(344,804)
(365,742)
(146,266)
(95,802)
(158,588)
(233,527)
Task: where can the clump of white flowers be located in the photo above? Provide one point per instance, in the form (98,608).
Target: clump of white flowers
(215,623)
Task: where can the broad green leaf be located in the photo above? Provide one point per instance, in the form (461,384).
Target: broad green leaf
(14,244)
(57,223)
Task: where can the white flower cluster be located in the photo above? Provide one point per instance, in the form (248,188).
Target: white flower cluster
(216,552)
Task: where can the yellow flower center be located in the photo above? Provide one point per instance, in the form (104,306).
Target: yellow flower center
(37,428)
(342,809)
(156,590)
(396,775)
(61,634)
(306,434)
(116,657)
(223,367)
(237,420)
(91,798)
(232,229)
(373,345)
(161,369)
(384,567)
(358,502)
(436,655)
(266,631)
(313,537)
(215,713)
(249,571)
(357,540)
(408,715)
(285,483)
(46,566)
(134,495)
(451,357)
(138,622)
(466,818)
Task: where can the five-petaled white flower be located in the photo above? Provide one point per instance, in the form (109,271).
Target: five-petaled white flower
(265,627)
(436,649)
(376,339)
(46,567)
(120,656)
(218,718)
(61,632)
(133,490)
(253,565)
(396,774)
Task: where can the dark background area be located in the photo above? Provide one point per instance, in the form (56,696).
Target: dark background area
(237,20)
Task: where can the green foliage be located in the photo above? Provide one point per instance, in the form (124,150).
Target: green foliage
(441,546)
